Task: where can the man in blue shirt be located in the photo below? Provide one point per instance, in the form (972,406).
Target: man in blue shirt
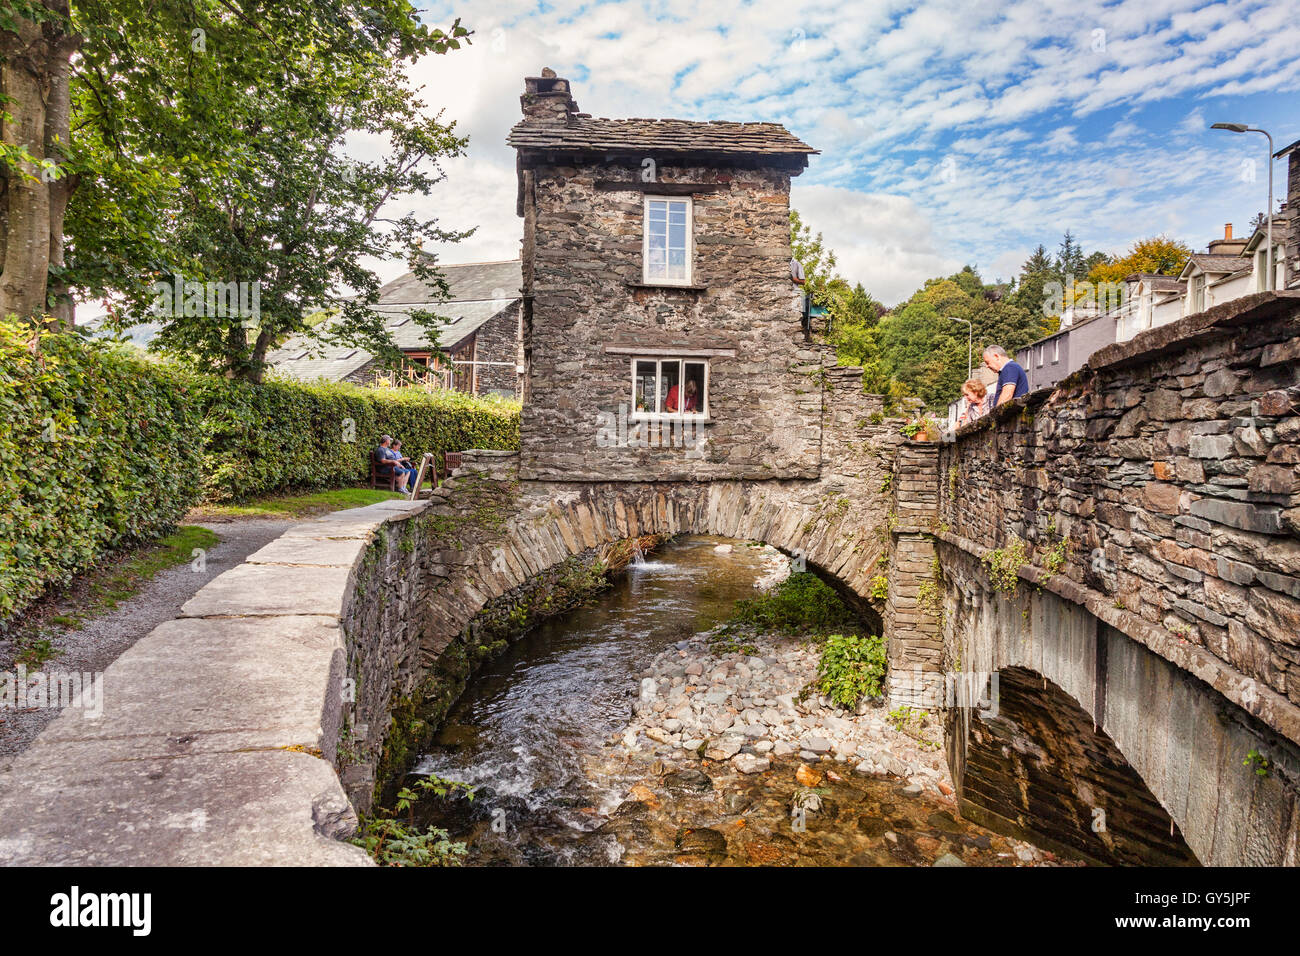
(1012,380)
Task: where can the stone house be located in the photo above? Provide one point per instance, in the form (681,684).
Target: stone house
(480,335)
(661,338)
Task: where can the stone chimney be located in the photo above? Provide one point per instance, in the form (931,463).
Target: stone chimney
(546,99)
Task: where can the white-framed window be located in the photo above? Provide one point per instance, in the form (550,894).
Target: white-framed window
(1056,351)
(1041,350)
(670,388)
(667,249)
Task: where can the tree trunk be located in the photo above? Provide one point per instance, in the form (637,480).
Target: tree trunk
(34,74)
(27,219)
(58,134)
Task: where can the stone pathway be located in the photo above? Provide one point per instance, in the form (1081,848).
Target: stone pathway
(103,638)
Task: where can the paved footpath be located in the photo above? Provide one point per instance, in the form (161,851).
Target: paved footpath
(102,639)
(216,717)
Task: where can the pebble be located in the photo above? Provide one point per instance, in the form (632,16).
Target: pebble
(747,763)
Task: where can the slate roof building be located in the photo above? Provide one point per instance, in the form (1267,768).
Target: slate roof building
(662,336)
(480,334)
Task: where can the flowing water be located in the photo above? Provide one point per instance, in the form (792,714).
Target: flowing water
(537,732)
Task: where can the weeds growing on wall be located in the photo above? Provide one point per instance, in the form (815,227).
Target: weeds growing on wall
(393,842)
(1004,565)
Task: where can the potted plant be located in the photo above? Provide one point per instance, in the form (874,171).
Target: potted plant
(925,428)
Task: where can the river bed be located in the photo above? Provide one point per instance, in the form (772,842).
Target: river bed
(572,766)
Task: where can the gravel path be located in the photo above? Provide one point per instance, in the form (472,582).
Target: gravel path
(103,638)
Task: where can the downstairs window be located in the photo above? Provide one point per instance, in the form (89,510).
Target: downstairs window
(670,388)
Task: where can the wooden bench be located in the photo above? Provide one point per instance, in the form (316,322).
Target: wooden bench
(376,477)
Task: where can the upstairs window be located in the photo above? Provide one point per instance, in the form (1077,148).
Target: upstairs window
(666,246)
(670,388)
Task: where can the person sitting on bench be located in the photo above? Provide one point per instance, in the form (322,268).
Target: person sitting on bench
(388,463)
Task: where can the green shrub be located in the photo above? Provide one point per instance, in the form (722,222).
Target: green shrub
(98,449)
(281,434)
(851,667)
(103,447)
(801,604)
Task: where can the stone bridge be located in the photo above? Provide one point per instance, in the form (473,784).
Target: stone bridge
(1133,538)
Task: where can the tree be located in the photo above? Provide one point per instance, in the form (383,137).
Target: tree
(36,47)
(209,150)
(1070,265)
(1159,254)
(818,261)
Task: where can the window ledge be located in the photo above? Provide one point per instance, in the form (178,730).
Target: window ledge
(668,417)
(667,286)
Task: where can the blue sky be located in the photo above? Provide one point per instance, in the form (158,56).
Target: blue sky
(950,132)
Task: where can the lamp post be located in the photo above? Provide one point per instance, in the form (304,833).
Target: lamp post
(970,343)
(1268,211)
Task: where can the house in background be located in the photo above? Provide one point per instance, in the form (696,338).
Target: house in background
(480,336)
(1218,275)
(1291,260)
(1055,356)
(1257,251)
(1150,299)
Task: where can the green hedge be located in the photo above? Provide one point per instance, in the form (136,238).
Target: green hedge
(101,447)
(289,435)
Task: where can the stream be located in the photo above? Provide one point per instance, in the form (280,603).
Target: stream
(539,731)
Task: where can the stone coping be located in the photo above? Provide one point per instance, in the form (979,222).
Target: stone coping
(1251,695)
(219,730)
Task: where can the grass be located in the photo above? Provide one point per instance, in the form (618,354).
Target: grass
(103,588)
(296,506)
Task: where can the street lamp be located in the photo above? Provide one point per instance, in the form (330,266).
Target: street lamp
(970,342)
(1268,212)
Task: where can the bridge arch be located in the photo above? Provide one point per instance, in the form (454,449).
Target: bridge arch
(1186,742)
(491,533)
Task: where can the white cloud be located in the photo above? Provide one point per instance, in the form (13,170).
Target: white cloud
(885,242)
(1040,128)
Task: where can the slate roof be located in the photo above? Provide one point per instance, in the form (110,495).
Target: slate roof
(586,134)
(141,334)
(1212,263)
(479,290)
(1158,281)
(468,282)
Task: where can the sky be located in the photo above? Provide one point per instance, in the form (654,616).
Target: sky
(950,133)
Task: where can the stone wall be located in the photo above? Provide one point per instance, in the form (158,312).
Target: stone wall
(1186,742)
(1293,211)
(586,308)
(497,340)
(1161,486)
(916,651)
